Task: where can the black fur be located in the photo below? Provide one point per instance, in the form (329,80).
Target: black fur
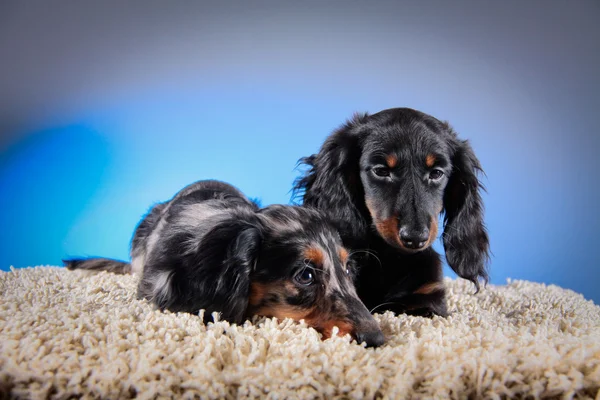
(211,248)
(384,179)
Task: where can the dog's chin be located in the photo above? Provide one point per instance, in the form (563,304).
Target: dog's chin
(395,243)
(405,250)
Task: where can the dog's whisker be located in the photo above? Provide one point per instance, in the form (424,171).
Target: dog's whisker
(308,265)
(369,252)
(450,227)
(381,305)
(443,236)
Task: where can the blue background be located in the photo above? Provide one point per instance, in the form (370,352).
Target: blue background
(107,107)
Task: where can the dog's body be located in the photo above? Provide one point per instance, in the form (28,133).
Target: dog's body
(211,248)
(384,179)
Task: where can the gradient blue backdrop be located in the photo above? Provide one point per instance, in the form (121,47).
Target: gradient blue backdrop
(107,107)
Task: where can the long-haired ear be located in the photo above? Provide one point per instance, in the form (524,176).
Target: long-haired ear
(332,181)
(465,237)
(215,277)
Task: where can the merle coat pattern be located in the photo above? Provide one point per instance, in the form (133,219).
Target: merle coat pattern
(210,248)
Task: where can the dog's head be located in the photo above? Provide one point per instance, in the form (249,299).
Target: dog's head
(283,261)
(304,272)
(396,171)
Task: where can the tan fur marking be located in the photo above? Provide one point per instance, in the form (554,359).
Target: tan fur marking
(290,288)
(429,288)
(314,317)
(343,253)
(430,160)
(433,230)
(388,229)
(281,311)
(391,161)
(315,255)
(344,328)
(324,324)
(258,292)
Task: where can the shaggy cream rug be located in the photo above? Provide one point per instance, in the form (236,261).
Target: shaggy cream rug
(67,334)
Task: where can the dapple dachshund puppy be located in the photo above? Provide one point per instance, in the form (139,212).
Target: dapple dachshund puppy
(211,248)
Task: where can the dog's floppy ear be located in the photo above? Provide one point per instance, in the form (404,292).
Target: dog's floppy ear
(215,276)
(228,256)
(465,237)
(332,181)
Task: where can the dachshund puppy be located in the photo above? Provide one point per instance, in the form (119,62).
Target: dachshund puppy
(384,179)
(211,248)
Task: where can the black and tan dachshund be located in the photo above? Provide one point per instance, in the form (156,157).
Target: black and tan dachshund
(211,248)
(384,179)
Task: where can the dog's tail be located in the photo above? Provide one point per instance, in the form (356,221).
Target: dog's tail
(98,264)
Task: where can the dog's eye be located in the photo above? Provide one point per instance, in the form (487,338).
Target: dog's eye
(381,171)
(436,175)
(347,271)
(305,277)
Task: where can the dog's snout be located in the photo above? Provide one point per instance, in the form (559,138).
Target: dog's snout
(414,239)
(364,326)
(371,338)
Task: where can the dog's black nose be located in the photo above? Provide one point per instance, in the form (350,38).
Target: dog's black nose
(414,239)
(371,338)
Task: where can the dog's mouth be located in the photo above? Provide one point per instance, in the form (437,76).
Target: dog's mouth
(408,250)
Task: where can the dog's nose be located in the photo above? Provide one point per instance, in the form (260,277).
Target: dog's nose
(371,338)
(414,239)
